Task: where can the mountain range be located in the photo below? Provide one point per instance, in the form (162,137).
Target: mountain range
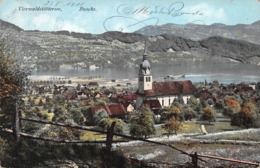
(246,32)
(124,49)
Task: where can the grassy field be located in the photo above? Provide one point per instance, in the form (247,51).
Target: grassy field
(187,127)
(240,135)
(92,136)
(220,127)
(194,127)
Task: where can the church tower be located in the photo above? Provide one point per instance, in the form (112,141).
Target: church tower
(145,79)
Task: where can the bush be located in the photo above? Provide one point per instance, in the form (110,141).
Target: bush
(105,122)
(77,116)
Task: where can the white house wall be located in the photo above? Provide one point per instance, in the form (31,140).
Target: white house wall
(130,108)
(186,98)
(166,101)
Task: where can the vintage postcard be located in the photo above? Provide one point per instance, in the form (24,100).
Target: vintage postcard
(129,83)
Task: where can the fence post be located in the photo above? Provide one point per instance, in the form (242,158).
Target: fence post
(194,160)
(107,153)
(17,122)
(109,140)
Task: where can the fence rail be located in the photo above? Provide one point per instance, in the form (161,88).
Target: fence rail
(109,140)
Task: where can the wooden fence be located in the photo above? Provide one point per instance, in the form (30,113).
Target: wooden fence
(195,157)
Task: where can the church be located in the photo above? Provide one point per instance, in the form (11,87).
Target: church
(164,92)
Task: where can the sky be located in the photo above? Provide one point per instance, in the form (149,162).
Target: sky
(99,16)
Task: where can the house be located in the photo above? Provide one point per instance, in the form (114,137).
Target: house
(96,95)
(204,94)
(165,92)
(154,105)
(116,110)
(56,92)
(70,95)
(127,98)
(113,110)
(244,88)
(129,108)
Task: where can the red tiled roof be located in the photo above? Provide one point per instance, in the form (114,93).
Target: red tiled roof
(244,89)
(116,109)
(152,104)
(205,94)
(171,88)
(128,97)
(96,108)
(112,110)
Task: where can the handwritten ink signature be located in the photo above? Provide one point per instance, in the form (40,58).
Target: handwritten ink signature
(129,14)
(63,4)
(134,21)
(174,9)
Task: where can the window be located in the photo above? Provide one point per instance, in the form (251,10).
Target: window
(162,101)
(148,79)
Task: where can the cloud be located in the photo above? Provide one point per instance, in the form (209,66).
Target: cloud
(72,27)
(48,23)
(43,21)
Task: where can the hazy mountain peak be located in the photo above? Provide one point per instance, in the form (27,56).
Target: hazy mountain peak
(246,32)
(7,25)
(256,23)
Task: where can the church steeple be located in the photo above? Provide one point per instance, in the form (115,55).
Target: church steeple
(145,75)
(145,56)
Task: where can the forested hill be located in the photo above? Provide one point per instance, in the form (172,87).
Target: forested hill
(123,49)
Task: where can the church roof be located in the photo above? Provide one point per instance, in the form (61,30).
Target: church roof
(171,88)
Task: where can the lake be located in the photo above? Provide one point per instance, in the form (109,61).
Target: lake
(196,72)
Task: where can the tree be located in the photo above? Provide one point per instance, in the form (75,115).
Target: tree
(205,83)
(172,125)
(246,116)
(61,114)
(99,115)
(189,113)
(232,106)
(208,114)
(12,79)
(175,111)
(77,115)
(142,123)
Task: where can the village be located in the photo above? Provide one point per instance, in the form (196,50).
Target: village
(168,107)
